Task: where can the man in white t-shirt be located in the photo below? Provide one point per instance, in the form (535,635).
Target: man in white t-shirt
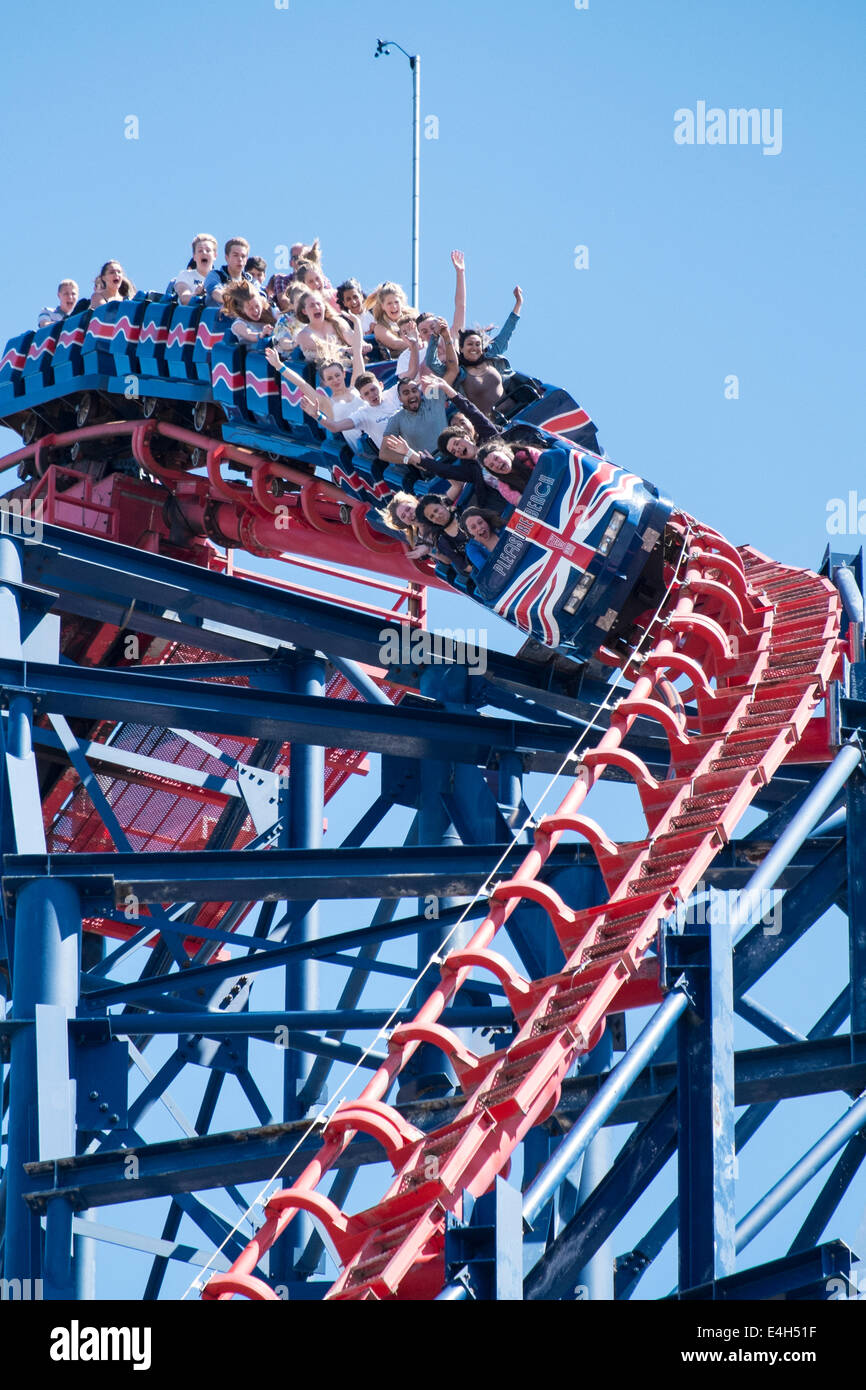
(373,415)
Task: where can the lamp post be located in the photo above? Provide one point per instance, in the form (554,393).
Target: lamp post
(384,46)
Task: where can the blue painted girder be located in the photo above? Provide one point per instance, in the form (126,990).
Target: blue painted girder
(253,1154)
(280,874)
(408,730)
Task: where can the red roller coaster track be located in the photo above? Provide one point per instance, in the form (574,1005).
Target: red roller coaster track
(758,643)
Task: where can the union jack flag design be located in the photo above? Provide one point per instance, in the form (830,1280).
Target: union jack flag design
(38,350)
(155,333)
(181,336)
(290,393)
(229,380)
(106,330)
(558,413)
(365,489)
(569,495)
(207,337)
(13,359)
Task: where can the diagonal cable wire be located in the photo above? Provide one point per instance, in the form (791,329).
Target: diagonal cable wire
(322,1118)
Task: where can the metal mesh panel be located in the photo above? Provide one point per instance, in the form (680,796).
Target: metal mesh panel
(156,815)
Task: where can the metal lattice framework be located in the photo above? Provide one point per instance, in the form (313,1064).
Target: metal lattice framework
(155,792)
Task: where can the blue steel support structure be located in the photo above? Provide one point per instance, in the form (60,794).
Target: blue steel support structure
(44,949)
(705,1102)
(454,756)
(305,811)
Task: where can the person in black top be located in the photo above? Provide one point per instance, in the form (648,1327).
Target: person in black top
(440,527)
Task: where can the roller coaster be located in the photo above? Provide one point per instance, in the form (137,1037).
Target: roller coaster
(182,723)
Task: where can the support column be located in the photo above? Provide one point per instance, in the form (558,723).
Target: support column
(580,887)
(44,943)
(306,800)
(856,851)
(511,787)
(705,1103)
(427,1073)
(596,1277)
(47,952)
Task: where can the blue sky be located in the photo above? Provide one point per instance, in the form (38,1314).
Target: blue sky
(555,131)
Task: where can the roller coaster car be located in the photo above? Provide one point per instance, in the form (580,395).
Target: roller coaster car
(577,563)
(572,564)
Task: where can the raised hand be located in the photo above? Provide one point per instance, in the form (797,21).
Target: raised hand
(458,260)
(518,299)
(395,444)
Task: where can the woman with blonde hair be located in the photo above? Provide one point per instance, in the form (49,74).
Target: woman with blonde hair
(324,332)
(389,305)
(334,400)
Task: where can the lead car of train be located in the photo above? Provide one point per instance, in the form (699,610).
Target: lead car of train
(580,555)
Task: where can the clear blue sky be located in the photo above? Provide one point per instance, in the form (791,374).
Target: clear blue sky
(555,130)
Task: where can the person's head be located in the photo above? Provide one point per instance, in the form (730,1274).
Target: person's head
(256,268)
(409,396)
(458,442)
(388,304)
(300,252)
(425,323)
(114,283)
(400,511)
(368,388)
(204,252)
(332,375)
(67,295)
(435,511)
(350,297)
(480,524)
(497,458)
(242,300)
(309,274)
(310,308)
(237,251)
(471,346)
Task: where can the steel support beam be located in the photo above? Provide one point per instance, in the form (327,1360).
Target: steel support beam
(408,729)
(615,1086)
(639,1161)
(856,846)
(705,1105)
(306,802)
(802,1172)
